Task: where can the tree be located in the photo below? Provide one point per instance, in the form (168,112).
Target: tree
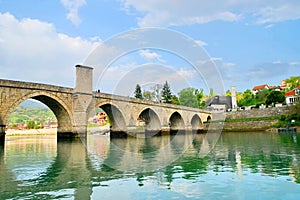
(188,98)
(157,92)
(166,93)
(175,100)
(228,93)
(138,92)
(275,97)
(261,95)
(199,95)
(292,82)
(247,99)
(30,124)
(148,95)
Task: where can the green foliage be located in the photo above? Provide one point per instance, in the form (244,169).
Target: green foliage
(261,95)
(249,119)
(148,95)
(199,95)
(22,115)
(166,93)
(275,97)
(188,98)
(138,92)
(247,99)
(292,82)
(202,104)
(228,93)
(175,100)
(30,124)
(294,114)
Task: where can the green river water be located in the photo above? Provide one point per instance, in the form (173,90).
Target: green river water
(240,166)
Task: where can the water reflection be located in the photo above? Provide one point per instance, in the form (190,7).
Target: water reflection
(157,167)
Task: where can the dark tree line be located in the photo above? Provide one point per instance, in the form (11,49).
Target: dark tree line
(190,97)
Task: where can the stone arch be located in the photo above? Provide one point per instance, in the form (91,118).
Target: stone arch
(60,109)
(196,122)
(176,122)
(149,119)
(115,115)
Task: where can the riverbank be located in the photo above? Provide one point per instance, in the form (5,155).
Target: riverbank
(250,120)
(44,131)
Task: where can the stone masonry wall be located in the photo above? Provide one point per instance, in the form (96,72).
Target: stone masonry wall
(258,113)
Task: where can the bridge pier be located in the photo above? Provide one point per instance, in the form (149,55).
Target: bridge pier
(2,134)
(82,99)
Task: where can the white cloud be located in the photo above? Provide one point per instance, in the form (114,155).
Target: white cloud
(147,54)
(73,6)
(201,43)
(180,12)
(32,50)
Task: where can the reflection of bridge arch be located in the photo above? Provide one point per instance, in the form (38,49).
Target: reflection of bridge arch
(150,119)
(60,109)
(116,117)
(176,121)
(196,122)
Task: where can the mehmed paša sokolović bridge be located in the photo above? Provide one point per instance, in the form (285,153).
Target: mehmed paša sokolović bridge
(72,107)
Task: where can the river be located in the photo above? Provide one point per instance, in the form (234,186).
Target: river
(241,165)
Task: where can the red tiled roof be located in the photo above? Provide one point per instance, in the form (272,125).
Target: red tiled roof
(290,93)
(274,87)
(260,87)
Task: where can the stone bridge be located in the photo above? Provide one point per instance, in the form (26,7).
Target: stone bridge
(73,107)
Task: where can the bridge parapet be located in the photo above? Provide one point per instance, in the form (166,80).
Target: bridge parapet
(34,86)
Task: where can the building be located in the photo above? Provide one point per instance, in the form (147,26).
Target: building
(259,87)
(222,103)
(293,96)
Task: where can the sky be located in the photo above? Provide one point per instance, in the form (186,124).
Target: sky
(247,43)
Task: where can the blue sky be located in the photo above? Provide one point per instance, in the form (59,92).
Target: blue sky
(251,42)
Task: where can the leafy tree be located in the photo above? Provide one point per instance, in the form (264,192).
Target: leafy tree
(228,93)
(261,95)
(30,124)
(188,98)
(199,95)
(175,100)
(202,104)
(157,92)
(138,92)
(292,82)
(247,98)
(166,93)
(275,97)
(148,95)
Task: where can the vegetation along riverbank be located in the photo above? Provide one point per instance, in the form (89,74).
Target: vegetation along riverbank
(267,119)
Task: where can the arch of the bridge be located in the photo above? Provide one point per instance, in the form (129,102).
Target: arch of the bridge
(150,118)
(115,115)
(196,122)
(176,121)
(60,109)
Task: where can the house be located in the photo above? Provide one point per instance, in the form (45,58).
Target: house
(275,88)
(259,87)
(293,96)
(222,103)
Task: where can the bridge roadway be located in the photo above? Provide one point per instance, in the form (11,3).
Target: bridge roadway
(74,106)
